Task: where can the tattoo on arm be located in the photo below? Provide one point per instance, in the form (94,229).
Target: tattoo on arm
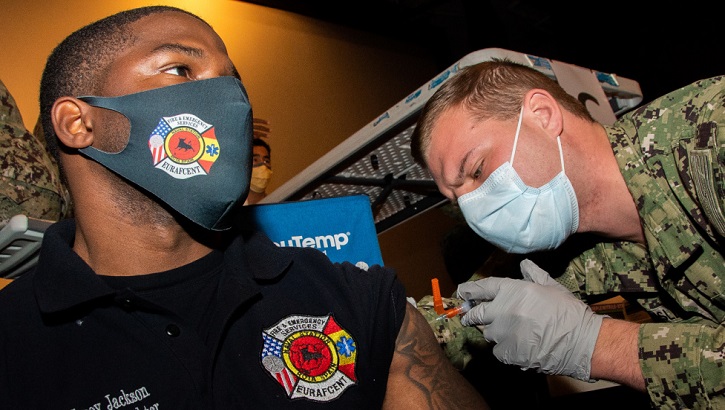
(423,373)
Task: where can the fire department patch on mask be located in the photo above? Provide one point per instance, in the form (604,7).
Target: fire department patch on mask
(311,357)
(183,146)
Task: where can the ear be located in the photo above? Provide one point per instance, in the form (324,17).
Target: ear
(72,121)
(546,111)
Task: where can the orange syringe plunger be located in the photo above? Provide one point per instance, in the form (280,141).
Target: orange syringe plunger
(437,301)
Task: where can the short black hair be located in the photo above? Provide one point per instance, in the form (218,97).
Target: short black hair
(76,66)
(258,142)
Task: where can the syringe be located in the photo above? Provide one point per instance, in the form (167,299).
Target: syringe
(459,310)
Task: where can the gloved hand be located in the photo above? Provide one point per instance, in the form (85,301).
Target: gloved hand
(535,323)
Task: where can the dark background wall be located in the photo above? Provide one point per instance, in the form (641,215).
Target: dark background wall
(662,45)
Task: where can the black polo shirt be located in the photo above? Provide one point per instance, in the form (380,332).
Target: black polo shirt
(249,326)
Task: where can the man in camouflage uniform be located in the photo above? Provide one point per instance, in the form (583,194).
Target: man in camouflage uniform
(652,232)
(30,183)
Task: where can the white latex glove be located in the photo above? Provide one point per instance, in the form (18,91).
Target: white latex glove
(536,323)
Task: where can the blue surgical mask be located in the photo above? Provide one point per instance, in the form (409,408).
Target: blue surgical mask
(190,146)
(518,218)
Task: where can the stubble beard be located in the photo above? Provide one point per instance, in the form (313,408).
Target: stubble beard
(139,207)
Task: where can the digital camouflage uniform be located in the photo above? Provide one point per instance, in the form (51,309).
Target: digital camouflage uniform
(29,178)
(671,153)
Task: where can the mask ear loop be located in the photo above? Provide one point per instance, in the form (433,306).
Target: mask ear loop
(516,138)
(561,153)
(516,142)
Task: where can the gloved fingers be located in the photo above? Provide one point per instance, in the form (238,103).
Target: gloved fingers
(477,315)
(502,354)
(493,331)
(533,273)
(482,289)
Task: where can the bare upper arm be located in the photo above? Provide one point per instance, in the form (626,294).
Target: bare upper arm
(421,376)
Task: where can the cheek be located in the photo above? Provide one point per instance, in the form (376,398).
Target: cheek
(469,186)
(538,168)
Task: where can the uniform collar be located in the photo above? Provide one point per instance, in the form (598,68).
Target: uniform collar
(254,252)
(62,279)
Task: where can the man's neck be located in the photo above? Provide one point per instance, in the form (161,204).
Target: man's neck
(120,248)
(605,204)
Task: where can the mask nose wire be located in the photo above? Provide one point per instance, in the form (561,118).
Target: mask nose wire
(516,138)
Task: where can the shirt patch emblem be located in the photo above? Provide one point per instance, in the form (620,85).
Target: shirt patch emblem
(183,146)
(311,357)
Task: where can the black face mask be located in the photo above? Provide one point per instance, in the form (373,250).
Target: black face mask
(190,146)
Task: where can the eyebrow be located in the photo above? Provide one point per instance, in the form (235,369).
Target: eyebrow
(461,168)
(192,52)
(460,175)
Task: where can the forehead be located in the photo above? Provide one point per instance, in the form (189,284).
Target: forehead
(260,150)
(447,138)
(174,26)
(172,33)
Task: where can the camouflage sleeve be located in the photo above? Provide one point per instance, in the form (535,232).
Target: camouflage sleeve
(30,183)
(459,342)
(682,364)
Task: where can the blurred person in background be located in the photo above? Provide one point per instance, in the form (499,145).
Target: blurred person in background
(261,171)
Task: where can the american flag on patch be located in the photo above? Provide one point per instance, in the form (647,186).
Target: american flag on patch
(273,362)
(156,141)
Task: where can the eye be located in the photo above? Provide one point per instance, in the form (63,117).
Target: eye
(180,70)
(477,173)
